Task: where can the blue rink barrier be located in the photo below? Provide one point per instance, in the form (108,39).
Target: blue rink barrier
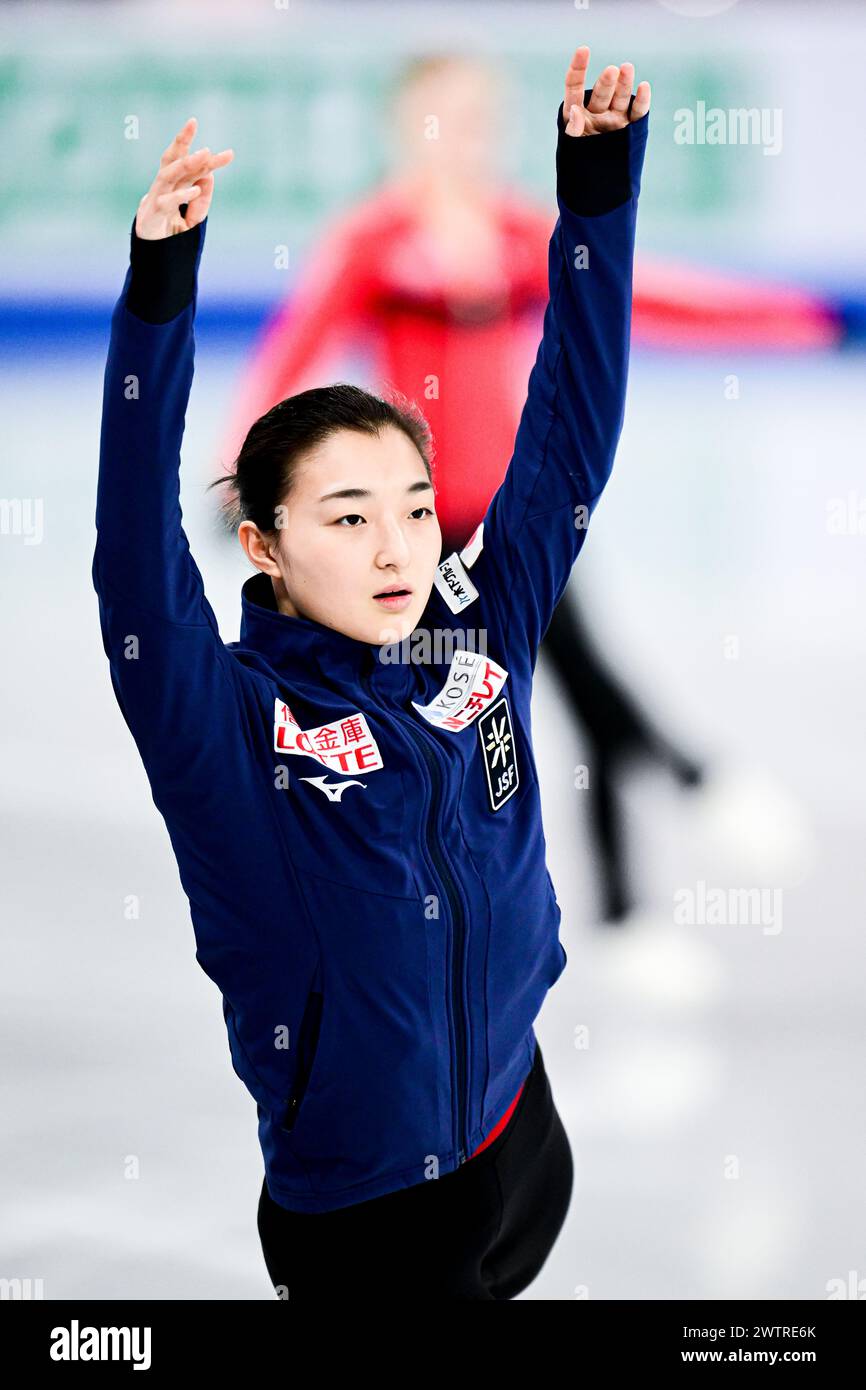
(85,323)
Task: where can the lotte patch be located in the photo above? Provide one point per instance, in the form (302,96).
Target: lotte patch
(497,750)
(345,745)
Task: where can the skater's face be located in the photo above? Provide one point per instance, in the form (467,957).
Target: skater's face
(447,122)
(359,518)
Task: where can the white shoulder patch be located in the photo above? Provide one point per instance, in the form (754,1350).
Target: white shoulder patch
(454,583)
(473,547)
(472,684)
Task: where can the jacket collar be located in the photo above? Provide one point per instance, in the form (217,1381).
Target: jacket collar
(304,649)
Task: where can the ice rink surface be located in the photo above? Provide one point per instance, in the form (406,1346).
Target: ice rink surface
(710,1077)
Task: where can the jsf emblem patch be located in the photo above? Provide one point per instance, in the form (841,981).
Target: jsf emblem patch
(498,752)
(345,745)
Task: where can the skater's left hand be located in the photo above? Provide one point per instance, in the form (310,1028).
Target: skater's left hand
(608,105)
(181,178)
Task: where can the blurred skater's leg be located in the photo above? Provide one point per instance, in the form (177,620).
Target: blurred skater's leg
(609,713)
(608,836)
(618,730)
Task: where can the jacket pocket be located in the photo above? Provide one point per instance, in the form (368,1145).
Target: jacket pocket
(308,1042)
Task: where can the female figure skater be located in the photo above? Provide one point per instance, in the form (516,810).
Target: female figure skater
(441,273)
(350,788)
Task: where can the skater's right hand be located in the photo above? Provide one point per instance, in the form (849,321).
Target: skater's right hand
(610,106)
(182,178)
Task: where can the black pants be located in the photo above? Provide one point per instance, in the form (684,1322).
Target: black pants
(481,1232)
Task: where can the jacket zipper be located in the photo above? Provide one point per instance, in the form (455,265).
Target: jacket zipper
(458,923)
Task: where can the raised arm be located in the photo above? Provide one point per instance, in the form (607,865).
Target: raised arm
(159,632)
(522,553)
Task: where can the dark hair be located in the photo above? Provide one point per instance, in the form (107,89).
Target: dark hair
(263,472)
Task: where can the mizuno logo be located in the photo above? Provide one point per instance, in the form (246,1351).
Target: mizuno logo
(333,790)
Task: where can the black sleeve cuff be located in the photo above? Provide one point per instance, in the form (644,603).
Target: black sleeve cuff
(163,274)
(593,172)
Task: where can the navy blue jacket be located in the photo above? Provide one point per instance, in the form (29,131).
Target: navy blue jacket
(360,836)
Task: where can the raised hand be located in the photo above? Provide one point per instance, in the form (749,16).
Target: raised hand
(608,105)
(182,178)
